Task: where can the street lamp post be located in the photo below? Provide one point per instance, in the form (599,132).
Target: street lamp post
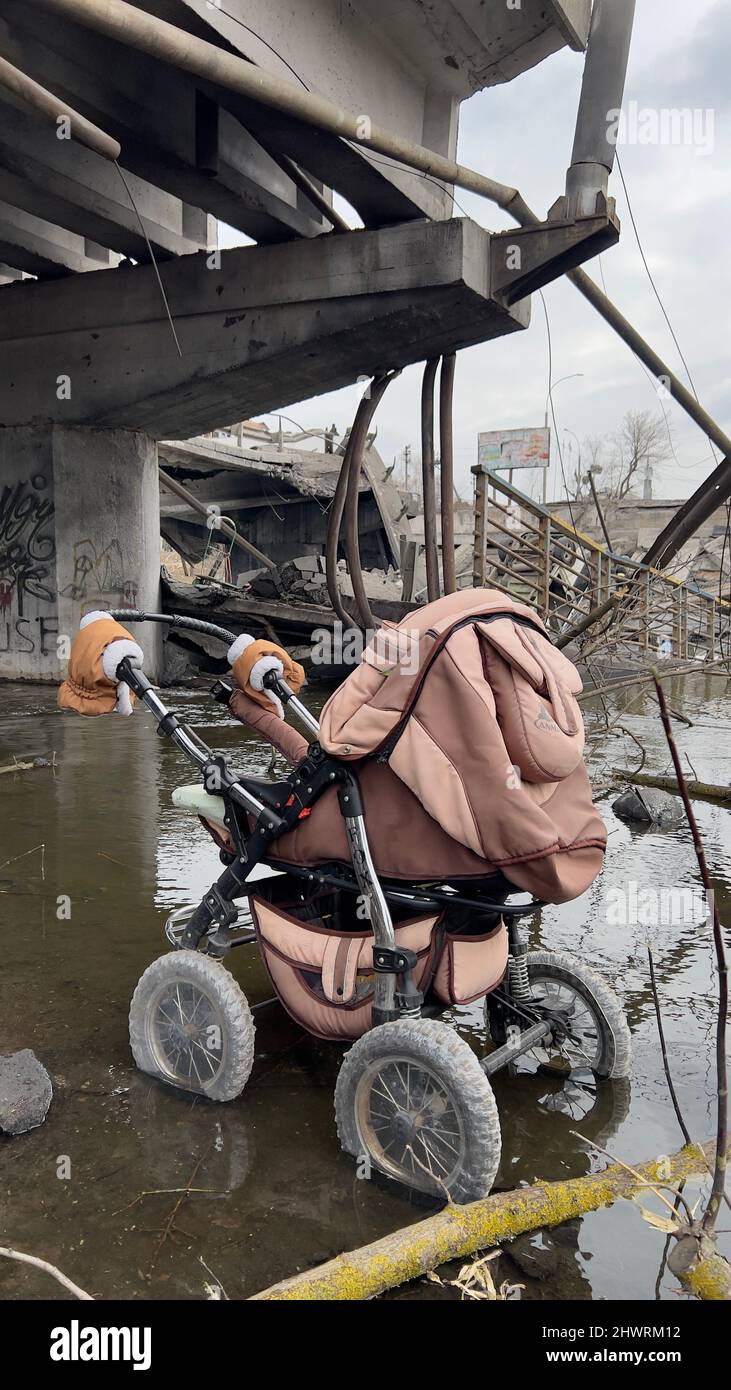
(571,377)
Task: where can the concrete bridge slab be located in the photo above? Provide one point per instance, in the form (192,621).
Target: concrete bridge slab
(259,327)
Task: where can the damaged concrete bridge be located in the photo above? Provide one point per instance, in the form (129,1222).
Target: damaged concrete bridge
(123,324)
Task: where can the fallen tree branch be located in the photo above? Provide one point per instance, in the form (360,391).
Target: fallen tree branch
(706,790)
(48,1269)
(707,1275)
(698,668)
(588,621)
(458,1231)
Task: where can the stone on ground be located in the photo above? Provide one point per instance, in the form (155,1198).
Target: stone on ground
(25,1092)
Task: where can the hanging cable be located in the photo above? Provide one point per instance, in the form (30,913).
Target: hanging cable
(656,292)
(333,537)
(366,411)
(351,464)
(553,412)
(446,476)
(143,229)
(431,552)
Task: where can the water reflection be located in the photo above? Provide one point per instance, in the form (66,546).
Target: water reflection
(278,1193)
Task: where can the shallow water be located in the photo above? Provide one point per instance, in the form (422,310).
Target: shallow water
(276,1193)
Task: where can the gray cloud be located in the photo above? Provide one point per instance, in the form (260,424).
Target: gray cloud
(692,73)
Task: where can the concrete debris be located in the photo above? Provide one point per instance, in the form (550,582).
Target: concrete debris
(303,581)
(25,1092)
(649,807)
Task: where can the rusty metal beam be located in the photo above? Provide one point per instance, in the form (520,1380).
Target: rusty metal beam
(705,500)
(32,94)
(221,524)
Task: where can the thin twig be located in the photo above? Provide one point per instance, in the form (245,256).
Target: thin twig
(666,1064)
(214,1276)
(690,765)
(628,734)
(654,1187)
(26,852)
(719,1173)
(49,1269)
(161,1191)
(646,677)
(169,1226)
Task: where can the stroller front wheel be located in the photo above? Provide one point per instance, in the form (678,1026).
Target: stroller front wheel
(190,1025)
(413,1101)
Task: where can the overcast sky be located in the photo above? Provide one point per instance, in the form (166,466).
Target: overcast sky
(522,134)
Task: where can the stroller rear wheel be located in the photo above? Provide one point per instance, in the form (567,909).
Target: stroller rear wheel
(412,1100)
(190,1025)
(591,1031)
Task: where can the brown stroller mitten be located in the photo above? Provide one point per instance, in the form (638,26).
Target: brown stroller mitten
(252,658)
(283,736)
(91,686)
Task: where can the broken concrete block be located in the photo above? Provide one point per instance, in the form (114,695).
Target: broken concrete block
(649,806)
(25,1092)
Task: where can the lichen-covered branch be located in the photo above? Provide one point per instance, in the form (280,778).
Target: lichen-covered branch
(458,1231)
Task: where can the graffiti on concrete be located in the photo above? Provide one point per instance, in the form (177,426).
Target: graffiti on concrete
(27,567)
(99,574)
(29,636)
(27,544)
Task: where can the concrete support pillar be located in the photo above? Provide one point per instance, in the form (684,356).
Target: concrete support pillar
(79,529)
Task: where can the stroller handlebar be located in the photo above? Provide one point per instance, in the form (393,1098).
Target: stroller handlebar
(271,681)
(279,687)
(187,740)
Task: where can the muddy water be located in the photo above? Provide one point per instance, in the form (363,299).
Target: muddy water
(92,857)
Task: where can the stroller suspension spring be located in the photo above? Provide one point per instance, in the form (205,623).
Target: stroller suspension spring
(407,1010)
(518,968)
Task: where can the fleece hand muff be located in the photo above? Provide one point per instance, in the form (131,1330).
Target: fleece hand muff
(91,686)
(252,659)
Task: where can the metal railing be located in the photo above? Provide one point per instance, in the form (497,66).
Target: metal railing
(535,556)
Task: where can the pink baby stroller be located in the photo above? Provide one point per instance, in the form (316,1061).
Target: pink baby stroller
(444,780)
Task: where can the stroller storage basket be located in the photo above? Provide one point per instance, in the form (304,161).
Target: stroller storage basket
(319,955)
(470,966)
(323,973)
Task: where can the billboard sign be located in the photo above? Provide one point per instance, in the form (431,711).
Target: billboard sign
(528,448)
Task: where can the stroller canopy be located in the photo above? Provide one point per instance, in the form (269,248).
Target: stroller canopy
(470,708)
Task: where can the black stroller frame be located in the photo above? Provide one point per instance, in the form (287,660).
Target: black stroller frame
(276,809)
(413,1100)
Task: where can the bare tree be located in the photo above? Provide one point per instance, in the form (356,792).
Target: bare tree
(643,441)
(595,450)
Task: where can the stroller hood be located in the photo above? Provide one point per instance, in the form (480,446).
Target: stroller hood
(475,711)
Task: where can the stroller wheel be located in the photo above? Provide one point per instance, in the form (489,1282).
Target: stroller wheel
(190,1025)
(591,1031)
(412,1100)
